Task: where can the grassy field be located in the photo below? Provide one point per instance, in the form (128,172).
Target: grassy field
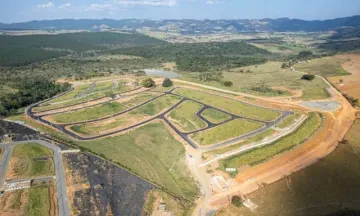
(315,93)
(335,180)
(327,66)
(259,155)
(130,118)
(23,165)
(215,116)
(173,205)
(100,86)
(229,105)
(107,109)
(224,132)
(184,116)
(38,202)
(156,106)
(257,138)
(78,90)
(153,153)
(289,120)
(271,75)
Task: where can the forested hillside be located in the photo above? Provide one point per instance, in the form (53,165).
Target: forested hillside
(201,56)
(22,50)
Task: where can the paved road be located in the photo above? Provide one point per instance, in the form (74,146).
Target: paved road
(59,173)
(185,136)
(4,164)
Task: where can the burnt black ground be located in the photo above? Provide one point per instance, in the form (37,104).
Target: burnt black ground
(17,131)
(111,188)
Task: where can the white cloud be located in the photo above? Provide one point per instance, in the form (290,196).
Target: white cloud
(213,2)
(169,3)
(67,5)
(46,6)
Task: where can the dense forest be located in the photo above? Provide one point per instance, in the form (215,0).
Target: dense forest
(30,91)
(201,57)
(23,50)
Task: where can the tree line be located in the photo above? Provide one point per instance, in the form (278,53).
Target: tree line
(30,91)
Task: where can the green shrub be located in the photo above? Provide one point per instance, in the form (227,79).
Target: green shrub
(308,77)
(236,201)
(148,83)
(228,83)
(167,82)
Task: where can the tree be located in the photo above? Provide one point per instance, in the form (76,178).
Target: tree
(167,82)
(148,83)
(341,81)
(236,201)
(305,54)
(308,77)
(228,83)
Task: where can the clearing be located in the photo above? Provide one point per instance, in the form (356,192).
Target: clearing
(326,66)
(349,84)
(30,160)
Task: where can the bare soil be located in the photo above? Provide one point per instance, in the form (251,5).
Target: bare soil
(351,83)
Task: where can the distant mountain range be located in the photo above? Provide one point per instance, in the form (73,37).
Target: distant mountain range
(189,26)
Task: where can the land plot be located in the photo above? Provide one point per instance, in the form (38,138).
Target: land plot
(184,116)
(18,132)
(258,155)
(327,66)
(103,188)
(142,113)
(265,79)
(103,110)
(335,178)
(152,152)
(25,162)
(47,106)
(78,90)
(34,201)
(229,105)
(257,138)
(100,86)
(215,116)
(226,131)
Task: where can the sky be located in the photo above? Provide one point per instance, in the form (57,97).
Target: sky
(26,10)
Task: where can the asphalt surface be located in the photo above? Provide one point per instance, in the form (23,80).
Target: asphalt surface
(4,164)
(185,136)
(59,172)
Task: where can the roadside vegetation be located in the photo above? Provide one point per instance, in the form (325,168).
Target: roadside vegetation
(259,155)
(229,105)
(28,160)
(184,116)
(226,131)
(152,152)
(257,138)
(289,120)
(215,116)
